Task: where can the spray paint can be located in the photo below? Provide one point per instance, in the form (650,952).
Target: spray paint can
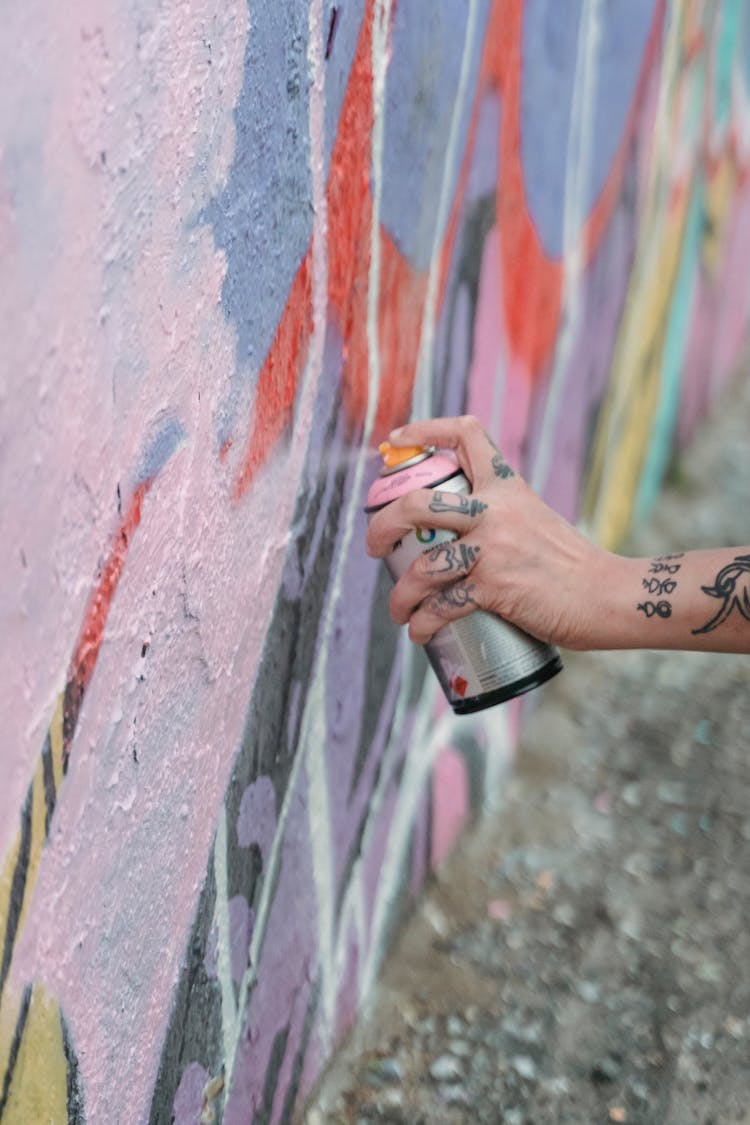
(480,660)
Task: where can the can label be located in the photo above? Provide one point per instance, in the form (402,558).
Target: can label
(480,653)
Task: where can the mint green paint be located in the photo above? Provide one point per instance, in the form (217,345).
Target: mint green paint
(726,45)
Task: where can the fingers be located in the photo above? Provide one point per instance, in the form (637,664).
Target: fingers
(447,604)
(477,453)
(454,511)
(443,565)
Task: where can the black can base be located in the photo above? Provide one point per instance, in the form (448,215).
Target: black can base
(510,691)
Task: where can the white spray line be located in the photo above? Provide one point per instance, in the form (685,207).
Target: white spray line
(577,180)
(313,735)
(649,247)
(497,758)
(314,728)
(422,398)
(224,947)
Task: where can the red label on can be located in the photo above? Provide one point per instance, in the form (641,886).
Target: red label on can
(459,685)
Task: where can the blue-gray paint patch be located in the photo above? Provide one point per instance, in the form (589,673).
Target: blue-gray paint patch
(263,217)
(341,31)
(549,45)
(167,435)
(421,91)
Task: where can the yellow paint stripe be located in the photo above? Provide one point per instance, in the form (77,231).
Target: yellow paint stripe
(39,1088)
(9,1012)
(56,740)
(6,882)
(624,428)
(38,836)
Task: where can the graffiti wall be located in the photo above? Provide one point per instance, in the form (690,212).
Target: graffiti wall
(239,241)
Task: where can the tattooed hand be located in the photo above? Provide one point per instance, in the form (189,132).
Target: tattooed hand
(512,556)
(515,557)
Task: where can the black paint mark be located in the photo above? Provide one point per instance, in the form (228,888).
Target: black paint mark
(119,500)
(18,887)
(50,791)
(332,30)
(15,1047)
(76,1115)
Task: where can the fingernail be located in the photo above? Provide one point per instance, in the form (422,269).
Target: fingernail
(397,432)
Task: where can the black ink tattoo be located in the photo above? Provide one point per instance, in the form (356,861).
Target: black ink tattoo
(726,588)
(659,567)
(663,565)
(455,502)
(457,596)
(661,609)
(654,586)
(452,556)
(500,466)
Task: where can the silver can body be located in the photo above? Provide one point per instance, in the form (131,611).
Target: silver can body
(480,660)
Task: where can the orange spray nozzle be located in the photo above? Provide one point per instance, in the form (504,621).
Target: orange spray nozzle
(394,455)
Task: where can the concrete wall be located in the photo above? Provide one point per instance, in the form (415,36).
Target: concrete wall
(238,241)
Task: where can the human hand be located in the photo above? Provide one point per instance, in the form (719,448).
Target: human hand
(514,556)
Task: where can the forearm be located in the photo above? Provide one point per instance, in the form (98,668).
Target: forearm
(699,600)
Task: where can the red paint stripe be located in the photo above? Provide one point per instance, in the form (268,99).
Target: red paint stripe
(89,643)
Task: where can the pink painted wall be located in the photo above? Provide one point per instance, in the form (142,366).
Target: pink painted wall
(238,242)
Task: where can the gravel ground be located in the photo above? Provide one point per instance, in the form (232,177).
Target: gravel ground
(584,957)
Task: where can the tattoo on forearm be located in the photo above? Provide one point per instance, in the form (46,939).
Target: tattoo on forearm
(457,596)
(661,609)
(662,565)
(654,586)
(500,466)
(732,588)
(452,556)
(456,502)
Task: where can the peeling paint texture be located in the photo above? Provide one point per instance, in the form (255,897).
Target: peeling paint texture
(239,241)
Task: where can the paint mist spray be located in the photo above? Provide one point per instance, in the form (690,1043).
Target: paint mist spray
(479,660)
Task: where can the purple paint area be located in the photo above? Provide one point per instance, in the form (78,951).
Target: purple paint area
(256,821)
(188,1101)
(482,178)
(423,76)
(550,56)
(454,342)
(326,452)
(606,283)
(284,982)
(241,919)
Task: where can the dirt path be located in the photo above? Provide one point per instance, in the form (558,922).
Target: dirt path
(585,957)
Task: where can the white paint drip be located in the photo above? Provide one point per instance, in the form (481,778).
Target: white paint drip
(577,179)
(229,1021)
(422,404)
